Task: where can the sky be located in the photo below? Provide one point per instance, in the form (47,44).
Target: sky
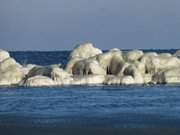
(49,25)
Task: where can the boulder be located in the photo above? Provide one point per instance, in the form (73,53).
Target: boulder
(147,78)
(111,61)
(3,55)
(10,72)
(124,66)
(88,80)
(169,76)
(81,52)
(39,81)
(133,55)
(26,68)
(116,64)
(53,71)
(165,55)
(154,64)
(79,68)
(71,64)
(40,71)
(84,51)
(131,70)
(139,66)
(59,74)
(172,76)
(88,67)
(127,80)
(7,63)
(113,80)
(150,54)
(61,77)
(108,63)
(12,76)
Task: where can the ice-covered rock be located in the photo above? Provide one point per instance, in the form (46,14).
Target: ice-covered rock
(26,68)
(40,70)
(154,64)
(139,66)
(172,76)
(38,81)
(147,78)
(3,55)
(165,55)
(84,51)
(10,72)
(88,80)
(52,71)
(88,67)
(71,64)
(7,63)
(12,76)
(59,74)
(169,76)
(81,52)
(111,61)
(134,55)
(137,76)
(127,80)
(113,80)
(61,77)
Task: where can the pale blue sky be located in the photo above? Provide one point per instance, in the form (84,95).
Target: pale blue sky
(61,24)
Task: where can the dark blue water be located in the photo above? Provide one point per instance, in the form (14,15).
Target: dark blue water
(87,109)
(47,58)
(41,58)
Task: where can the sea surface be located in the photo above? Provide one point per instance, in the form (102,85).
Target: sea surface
(87,110)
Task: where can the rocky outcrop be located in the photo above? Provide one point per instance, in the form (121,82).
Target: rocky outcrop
(3,55)
(38,81)
(133,55)
(81,52)
(168,76)
(85,51)
(88,80)
(88,65)
(10,70)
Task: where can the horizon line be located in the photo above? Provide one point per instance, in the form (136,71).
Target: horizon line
(102,50)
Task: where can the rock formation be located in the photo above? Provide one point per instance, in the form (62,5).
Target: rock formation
(88,65)
(10,70)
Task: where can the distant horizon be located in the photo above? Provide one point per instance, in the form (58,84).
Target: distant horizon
(123,49)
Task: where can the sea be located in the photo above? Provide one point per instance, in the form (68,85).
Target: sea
(87,110)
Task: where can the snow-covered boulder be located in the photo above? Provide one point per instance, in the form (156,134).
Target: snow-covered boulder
(81,52)
(10,72)
(88,67)
(169,76)
(3,55)
(84,51)
(113,80)
(127,80)
(88,80)
(111,61)
(134,55)
(39,81)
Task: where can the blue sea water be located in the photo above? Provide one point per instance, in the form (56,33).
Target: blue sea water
(86,109)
